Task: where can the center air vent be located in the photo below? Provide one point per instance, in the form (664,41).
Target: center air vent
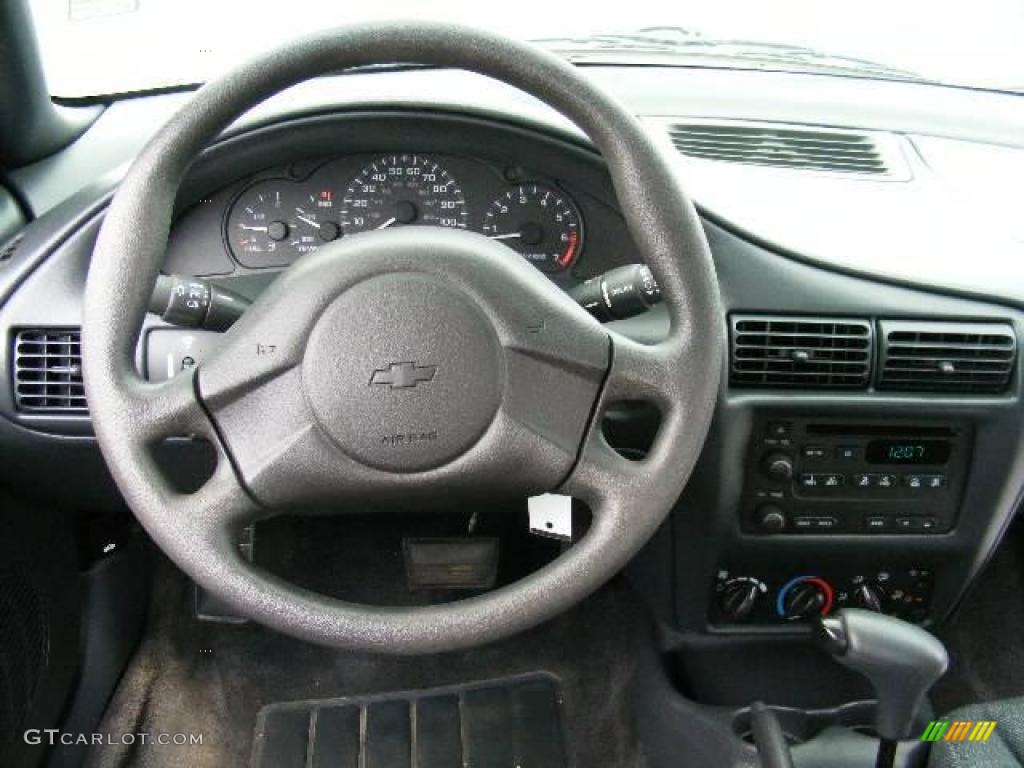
(946,357)
(800,353)
(48,371)
(782,146)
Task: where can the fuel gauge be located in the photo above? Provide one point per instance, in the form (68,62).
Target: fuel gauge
(259,226)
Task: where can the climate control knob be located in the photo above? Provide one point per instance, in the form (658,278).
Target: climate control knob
(738,598)
(770,518)
(778,466)
(868,597)
(805,597)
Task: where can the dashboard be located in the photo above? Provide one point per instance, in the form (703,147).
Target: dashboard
(754,543)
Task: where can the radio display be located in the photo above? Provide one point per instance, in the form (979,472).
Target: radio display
(908,451)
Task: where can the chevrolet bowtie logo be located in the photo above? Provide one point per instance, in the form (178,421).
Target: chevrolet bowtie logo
(403,375)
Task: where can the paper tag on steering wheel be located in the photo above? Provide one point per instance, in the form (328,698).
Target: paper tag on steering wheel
(551,516)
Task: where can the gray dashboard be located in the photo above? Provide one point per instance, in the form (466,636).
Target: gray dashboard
(759,242)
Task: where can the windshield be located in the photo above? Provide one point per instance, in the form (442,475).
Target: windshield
(93,47)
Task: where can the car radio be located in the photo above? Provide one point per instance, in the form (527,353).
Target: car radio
(812,476)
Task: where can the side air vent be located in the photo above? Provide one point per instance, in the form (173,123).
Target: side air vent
(946,357)
(783,146)
(48,371)
(800,353)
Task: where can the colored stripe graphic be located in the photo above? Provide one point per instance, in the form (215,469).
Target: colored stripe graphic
(959,730)
(935,730)
(982,730)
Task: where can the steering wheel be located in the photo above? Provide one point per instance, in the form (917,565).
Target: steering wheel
(403,365)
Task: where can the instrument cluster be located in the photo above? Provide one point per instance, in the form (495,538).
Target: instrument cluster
(283,215)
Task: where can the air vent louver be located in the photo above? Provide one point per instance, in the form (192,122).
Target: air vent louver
(801,353)
(946,357)
(808,149)
(48,371)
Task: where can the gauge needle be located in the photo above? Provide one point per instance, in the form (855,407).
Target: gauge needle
(506,236)
(311,223)
(253,229)
(388,223)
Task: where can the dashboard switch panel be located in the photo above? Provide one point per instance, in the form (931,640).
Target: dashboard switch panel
(744,599)
(817,477)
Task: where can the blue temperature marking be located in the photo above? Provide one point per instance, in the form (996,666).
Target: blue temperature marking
(782,593)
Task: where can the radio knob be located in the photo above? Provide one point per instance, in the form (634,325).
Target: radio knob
(778,466)
(770,518)
(738,599)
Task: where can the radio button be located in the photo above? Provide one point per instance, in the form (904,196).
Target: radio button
(877,523)
(822,480)
(886,481)
(814,452)
(861,480)
(846,452)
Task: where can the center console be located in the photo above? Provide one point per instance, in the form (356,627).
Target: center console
(839,512)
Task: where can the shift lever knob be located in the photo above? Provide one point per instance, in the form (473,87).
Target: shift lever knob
(902,662)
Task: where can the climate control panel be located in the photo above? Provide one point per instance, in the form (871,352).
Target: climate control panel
(743,599)
(817,477)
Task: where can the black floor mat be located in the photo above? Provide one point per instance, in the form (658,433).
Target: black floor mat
(514,723)
(200,678)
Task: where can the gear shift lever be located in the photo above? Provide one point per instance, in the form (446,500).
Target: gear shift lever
(902,662)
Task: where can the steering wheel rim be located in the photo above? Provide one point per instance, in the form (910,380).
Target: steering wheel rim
(628,499)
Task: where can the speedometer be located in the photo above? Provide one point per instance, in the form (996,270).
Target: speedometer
(399,190)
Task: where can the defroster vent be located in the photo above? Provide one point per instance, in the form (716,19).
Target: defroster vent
(946,357)
(800,353)
(781,146)
(48,371)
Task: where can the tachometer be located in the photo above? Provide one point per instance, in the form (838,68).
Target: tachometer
(538,222)
(400,190)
